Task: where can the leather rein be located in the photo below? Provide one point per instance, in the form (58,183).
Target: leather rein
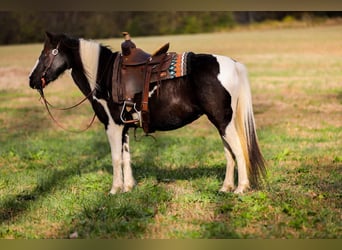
(48,105)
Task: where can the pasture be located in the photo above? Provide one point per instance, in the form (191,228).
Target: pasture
(55,184)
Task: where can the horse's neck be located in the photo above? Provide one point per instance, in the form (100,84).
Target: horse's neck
(105,68)
(81,81)
(105,71)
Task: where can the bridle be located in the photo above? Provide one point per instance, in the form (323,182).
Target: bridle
(54,53)
(47,104)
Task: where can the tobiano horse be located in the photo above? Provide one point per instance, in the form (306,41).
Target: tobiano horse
(216,86)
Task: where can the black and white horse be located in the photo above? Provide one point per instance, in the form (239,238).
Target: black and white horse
(217,86)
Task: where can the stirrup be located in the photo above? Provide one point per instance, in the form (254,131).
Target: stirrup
(136,112)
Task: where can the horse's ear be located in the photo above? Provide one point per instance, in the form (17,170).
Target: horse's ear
(49,35)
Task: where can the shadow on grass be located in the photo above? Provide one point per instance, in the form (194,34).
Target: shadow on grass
(14,128)
(331,185)
(164,160)
(16,205)
(22,121)
(50,177)
(124,215)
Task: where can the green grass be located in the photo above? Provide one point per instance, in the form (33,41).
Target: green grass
(55,184)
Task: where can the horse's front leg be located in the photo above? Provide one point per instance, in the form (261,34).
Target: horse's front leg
(114,133)
(129,181)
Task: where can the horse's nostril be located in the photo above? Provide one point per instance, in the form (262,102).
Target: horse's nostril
(33,84)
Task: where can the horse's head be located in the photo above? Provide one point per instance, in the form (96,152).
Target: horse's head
(52,62)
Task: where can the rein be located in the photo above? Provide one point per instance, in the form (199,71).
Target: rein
(47,105)
(67,108)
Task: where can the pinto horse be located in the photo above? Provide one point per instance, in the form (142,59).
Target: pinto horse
(216,86)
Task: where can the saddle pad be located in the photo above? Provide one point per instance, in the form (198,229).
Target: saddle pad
(178,66)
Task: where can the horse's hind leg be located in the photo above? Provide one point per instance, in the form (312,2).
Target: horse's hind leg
(232,139)
(228,183)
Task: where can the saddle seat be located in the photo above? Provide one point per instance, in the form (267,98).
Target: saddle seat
(139,57)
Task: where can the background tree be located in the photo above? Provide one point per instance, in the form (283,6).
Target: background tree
(28,27)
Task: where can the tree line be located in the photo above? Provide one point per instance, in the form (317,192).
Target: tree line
(28,27)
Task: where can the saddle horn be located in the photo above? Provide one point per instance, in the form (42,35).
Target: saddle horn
(127,45)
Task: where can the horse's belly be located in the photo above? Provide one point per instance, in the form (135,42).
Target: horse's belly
(169,117)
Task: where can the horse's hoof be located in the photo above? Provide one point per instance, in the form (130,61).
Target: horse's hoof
(238,191)
(115,190)
(128,188)
(226,189)
(241,189)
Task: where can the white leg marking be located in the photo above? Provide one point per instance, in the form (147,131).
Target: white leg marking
(233,140)
(228,183)
(114,134)
(129,181)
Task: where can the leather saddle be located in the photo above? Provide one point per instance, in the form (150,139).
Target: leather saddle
(133,71)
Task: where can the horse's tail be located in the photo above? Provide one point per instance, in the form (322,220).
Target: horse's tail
(245,126)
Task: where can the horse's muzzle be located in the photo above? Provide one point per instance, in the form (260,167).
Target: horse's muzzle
(38,84)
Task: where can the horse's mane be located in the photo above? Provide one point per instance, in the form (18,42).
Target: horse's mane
(90,53)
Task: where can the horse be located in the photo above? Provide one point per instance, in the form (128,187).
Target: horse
(216,86)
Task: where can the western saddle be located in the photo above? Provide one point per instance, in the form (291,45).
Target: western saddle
(133,71)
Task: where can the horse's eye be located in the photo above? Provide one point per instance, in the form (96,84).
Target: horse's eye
(42,56)
(45,53)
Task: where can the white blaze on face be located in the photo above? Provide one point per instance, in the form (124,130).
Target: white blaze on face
(90,52)
(34,67)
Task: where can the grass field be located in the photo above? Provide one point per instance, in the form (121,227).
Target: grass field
(54,184)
